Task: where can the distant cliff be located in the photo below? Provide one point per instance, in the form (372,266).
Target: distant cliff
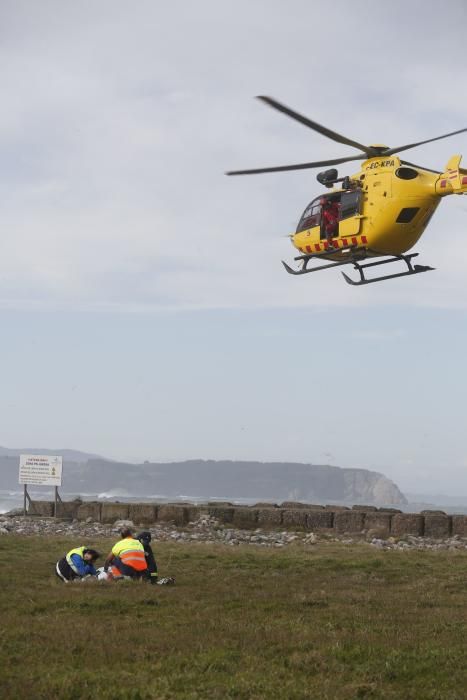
(276,481)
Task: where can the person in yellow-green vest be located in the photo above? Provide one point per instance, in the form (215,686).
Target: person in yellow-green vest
(127,558)
(77,564)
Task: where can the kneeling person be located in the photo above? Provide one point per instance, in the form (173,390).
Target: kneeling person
(145,539)
(127,557)
(77,564)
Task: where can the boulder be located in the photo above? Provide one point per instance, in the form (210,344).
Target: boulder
(365,509)
(120,524)
(14,513)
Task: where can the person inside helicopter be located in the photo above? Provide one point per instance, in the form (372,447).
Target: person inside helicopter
(329,218)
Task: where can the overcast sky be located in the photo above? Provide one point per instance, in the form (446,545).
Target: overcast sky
(144,309)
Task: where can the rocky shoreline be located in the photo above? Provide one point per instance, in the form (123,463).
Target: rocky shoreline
(210,531)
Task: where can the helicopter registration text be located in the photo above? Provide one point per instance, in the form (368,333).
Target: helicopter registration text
(380,164)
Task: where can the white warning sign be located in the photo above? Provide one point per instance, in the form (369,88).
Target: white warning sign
(40,470)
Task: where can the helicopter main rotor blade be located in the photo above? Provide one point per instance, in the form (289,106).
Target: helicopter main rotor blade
(421,167)
(315,126)
(298,166)
(390,151)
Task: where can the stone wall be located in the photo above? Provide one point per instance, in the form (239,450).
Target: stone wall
(338,519)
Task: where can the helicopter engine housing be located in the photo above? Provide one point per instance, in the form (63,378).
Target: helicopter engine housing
(328,177)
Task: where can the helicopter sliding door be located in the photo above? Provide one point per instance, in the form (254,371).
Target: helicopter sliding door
(350,213)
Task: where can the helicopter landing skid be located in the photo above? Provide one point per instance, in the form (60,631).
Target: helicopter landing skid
(305,259)
(411,270)
(355,256)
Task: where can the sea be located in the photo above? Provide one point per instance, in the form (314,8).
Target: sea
(10,500)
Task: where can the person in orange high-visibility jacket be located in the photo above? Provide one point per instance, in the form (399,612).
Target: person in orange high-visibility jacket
(127,558)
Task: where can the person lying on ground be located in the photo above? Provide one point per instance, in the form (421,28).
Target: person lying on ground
(77,564)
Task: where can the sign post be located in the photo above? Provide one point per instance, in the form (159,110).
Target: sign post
(40,470)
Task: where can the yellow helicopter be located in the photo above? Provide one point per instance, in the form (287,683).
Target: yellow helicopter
(380,212)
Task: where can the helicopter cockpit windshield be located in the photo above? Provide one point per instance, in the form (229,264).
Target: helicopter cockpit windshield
(347,204)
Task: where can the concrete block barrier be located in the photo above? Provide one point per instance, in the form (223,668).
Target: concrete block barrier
(269,517)
(173,513)
(89,510)
(319,520)
(110,512)
(144,513)
(68,509)
(459,525)
(389,510)
(43,508)
(348,521)
(224,514)
(378,521)
(245,517)
(194,513)
(407,524)
(295,517)
(437,526)
(383,521)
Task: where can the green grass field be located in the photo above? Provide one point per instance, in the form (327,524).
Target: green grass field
(332,621)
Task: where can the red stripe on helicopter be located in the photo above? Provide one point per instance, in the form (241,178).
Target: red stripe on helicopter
(337,243)
(464,180)
(443,183)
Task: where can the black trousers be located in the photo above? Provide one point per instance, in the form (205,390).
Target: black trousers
(64,571)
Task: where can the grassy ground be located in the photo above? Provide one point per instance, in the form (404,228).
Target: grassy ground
(334,621)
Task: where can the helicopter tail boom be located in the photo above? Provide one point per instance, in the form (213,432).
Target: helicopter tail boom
(454,178)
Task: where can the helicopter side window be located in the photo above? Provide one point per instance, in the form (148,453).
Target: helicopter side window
(350,204)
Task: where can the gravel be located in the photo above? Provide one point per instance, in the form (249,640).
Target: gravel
(209,530)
